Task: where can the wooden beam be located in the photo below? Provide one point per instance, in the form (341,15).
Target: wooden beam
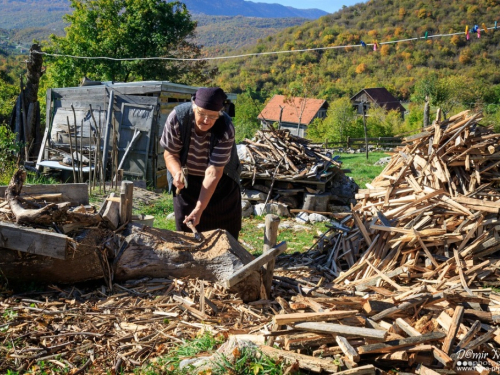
(284,319)
(254,265)
(390,346)
(342,330)
(33,241)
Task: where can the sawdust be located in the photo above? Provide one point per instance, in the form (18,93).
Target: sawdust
(214,245)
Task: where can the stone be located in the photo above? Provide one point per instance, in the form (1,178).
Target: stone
(271,208)
(171,216)
(383,161)
(317,218)
(253,195)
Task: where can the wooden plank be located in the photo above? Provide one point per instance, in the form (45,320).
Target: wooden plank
(254,265)
(452,332)
(348,350)
(342,330)
(394,345)
(407,328)
(284,319)
(76,194)
(33,241)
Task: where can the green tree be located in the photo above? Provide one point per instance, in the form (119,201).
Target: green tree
(8,96)
(341,122)
(127,29)
(245,121)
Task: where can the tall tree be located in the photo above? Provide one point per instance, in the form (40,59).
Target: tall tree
(128,29)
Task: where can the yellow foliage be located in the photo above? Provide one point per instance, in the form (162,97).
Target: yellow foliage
(422,13)
(398,31)
(402,13)
(465,57)
(406,55)
(361,68)
(385,50)
(373,33)
(409,67)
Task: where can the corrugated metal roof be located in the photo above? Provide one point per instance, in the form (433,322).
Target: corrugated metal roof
(291,109)
(382,97)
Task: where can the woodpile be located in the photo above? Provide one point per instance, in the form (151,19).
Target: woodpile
(418,249)
(280,167)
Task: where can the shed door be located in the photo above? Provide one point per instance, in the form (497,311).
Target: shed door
(134,138)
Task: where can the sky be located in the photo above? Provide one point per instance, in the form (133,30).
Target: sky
(329,6)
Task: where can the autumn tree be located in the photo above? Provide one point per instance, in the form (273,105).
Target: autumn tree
(127,29)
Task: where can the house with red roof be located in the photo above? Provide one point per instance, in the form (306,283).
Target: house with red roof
(293,113)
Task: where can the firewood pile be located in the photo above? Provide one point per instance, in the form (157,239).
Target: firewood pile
(420,246)
(278,167)
(277,154)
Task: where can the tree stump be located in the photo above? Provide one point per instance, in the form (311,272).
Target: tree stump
(152,252)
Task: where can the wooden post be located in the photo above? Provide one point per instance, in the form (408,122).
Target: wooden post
(34,72)
(366,130)
(126,197)
(270,237)
(107,128)
(71,150)
(426,113)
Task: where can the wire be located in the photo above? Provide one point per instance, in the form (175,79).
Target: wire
(252,54)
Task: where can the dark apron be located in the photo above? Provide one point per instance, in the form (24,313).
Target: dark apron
(223,210)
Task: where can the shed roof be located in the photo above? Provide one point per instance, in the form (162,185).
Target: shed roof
(382,97)
(291,109)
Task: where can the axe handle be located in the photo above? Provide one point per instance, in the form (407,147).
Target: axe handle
(193,229)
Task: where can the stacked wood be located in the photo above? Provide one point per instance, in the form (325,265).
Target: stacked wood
(417,252)
(431,213)
(282,167)
(281,155)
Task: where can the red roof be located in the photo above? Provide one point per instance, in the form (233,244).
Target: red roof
(291,109)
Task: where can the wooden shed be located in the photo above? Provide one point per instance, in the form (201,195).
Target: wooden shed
(127,118)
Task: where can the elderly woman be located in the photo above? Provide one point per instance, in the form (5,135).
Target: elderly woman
(203,165)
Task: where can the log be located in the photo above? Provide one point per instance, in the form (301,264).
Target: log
(43,216)
(151,252)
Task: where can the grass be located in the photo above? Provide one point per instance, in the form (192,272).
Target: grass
(362,171)
(245,361)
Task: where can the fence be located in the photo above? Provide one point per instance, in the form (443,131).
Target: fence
(384,142)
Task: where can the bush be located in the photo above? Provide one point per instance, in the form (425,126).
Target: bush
(9,149)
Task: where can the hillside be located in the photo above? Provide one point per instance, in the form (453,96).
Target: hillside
(470,65)
(223,34)
(37,19)
(19,14)
(249,9)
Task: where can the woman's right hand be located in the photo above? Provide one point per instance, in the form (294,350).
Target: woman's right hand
(179,180)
